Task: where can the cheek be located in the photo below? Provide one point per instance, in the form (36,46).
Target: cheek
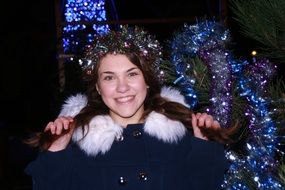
(107,96)
(142,87)
(106,92)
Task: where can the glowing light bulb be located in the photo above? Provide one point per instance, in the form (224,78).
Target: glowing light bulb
(253,53)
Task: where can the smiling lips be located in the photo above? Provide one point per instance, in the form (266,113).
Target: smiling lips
(125,99)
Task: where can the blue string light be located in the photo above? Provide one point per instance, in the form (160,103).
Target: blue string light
(78,35)
(205,40)
(254,166)
(258,159)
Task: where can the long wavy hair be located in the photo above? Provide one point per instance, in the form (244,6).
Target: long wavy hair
(153,102)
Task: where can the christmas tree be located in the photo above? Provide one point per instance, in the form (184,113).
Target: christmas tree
(264,22)
(233,91)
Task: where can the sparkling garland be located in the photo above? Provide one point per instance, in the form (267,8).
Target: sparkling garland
(125,40)
(255,166)
(206,40)
(180,48)
(258,158)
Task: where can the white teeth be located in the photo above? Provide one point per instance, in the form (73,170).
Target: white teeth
(124,99)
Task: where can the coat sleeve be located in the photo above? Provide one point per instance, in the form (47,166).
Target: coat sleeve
(208,164)
(51,170)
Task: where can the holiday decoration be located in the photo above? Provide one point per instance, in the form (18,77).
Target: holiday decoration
(125,40)
(253,163)
(206,41)
(76,34)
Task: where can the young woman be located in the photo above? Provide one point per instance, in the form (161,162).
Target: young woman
(127,132)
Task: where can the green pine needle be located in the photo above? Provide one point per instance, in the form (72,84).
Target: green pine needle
(276,91)
(264,22)
(281,174)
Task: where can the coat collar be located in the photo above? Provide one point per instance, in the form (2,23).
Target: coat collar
(103,130)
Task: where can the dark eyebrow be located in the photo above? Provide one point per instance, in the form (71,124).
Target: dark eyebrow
(131,69)
(107,72)
(110,72)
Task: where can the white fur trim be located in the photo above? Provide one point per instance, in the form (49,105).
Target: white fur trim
(173,95)
(73,105)
(100,137)
(103,131)
(165,129)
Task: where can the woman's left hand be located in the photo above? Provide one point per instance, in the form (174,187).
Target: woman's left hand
(200,121)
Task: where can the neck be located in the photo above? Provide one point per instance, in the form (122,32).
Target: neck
(125,121)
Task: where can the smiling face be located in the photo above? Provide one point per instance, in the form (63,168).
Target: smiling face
(122,87)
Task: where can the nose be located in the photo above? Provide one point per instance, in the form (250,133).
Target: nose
(122,85)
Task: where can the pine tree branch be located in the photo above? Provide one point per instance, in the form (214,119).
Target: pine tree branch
(264,22)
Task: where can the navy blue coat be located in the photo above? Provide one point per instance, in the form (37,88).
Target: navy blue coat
(138,161)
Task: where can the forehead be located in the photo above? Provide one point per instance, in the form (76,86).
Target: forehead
(115,62)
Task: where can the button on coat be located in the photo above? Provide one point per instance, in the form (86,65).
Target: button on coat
(144,163)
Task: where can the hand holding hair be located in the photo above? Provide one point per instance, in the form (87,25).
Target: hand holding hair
(202,122)
(59,133)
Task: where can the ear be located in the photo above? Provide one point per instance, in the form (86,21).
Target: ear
(98,90)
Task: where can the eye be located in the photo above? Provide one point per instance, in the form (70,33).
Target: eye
(131,74)
(108,77)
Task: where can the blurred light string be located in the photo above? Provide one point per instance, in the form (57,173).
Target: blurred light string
(75,36)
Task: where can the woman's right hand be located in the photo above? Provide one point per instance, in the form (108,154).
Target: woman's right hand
(63,129)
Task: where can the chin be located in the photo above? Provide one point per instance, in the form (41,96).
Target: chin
(127,114)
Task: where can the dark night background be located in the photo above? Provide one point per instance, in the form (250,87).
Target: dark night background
(29,90)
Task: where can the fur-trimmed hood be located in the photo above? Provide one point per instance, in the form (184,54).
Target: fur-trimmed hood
(103,130)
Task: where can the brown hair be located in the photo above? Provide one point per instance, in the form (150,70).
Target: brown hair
(153,102)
